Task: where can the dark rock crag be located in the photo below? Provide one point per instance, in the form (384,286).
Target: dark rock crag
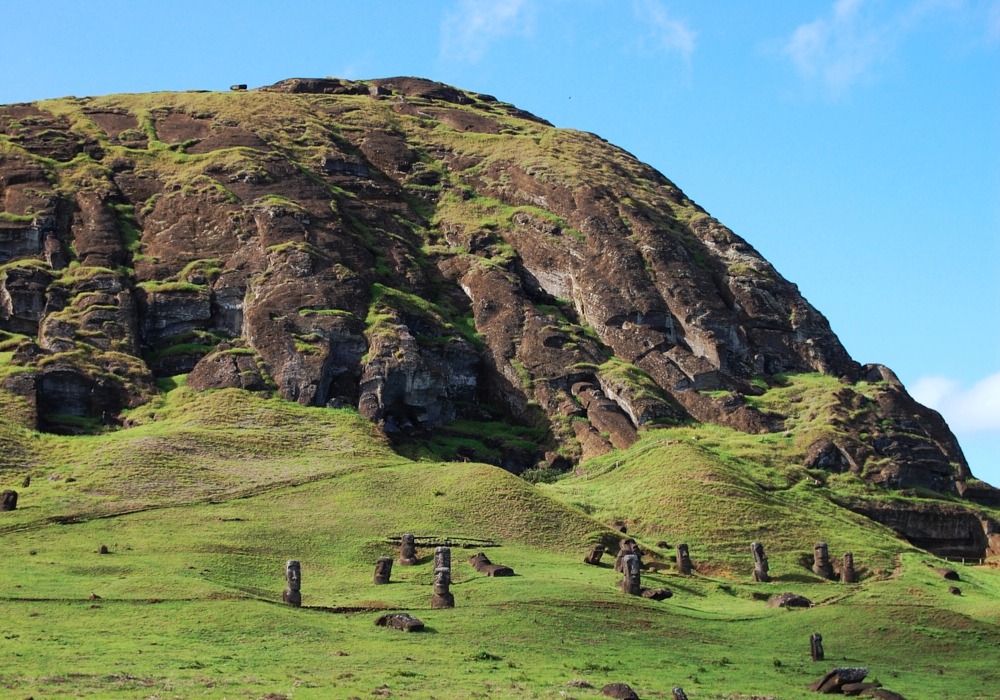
(417,251)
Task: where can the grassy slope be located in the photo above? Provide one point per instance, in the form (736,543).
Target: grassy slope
(243,483)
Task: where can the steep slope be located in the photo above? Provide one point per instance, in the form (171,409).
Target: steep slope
(415,250)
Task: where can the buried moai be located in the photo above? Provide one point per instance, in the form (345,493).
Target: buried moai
(8,500)
(443,598)
(683,560)
(816,647)
(481,563)
(383,570)
(407,551)
(293,576)
(821,561)
(442,558)
(847,573)
(760,568)
(630,583)
(594,558)
(625,547)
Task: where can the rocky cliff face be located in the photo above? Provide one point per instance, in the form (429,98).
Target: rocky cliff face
(420,252)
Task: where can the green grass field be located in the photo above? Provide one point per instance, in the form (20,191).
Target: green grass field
(203,502)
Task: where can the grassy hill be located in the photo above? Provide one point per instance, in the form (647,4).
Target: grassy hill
(202,506)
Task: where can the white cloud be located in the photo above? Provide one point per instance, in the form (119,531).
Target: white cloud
(470,28)
(852,41)
(972,410)
(668,33)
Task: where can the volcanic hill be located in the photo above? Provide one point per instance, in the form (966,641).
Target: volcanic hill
(299,321)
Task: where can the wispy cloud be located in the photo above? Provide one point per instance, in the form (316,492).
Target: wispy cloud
(666,32)
(968,410)
(856,38)
(469,29)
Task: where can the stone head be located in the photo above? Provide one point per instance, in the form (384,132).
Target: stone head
(293,573)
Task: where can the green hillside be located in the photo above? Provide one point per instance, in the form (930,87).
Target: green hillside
(202,506)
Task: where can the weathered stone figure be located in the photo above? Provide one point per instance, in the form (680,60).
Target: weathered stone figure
(27,482)
(407,551)
(594,558)
(847,573)
(401,621)
(443,597)
(442,558)
(481,563)
(383,570)
(821,561)
(759,563)
(816,647)
(8,501)
(683,560)
(625,547)
(679,693)
(630,569)
(293,575)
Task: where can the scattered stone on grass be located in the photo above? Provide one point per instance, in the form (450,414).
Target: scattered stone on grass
(407,551)
(400,621)
(657,593)
(443,597)
(789,600)
(683,560)
(816,647)
(8,500)
(481,563)
(27,482)
(660,544)
(954,590)
(578,683)
(630,583)
(760,568)
(821,561)
(383,570)
(834,680)
(847,573)
(883,694)
(594,558)
(621,691)
(293,576)
(104,549)
(852,689)
(678,693)
(949,574)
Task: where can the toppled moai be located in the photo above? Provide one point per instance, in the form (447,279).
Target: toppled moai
(836,679)
(293,577)
(789,600)
(400,621)
(443,597)
(594,558)
(625,547)
(821,561)
(679,694)
(8,500)
(948,574)
(847,573)
(816,647)
(630,582)
(620,691)
(407,551)
(442,558)
(657,593)
(383,570)
(481,563)
(760,569)
(683,559)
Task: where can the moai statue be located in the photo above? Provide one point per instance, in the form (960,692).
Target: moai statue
(821,561)
(683,560)
(407,551)
(679,693)
(847,573)
(442,558)
(443,597)
(8,500)
(293,574)
(816,647)
(27,482)
(630,568)
(625,547)
(383,570)
(759,563)
(594,558)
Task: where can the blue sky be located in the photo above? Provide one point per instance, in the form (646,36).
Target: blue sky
(855,143)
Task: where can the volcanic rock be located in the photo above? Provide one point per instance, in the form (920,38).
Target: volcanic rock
(789,600)
(621,691)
